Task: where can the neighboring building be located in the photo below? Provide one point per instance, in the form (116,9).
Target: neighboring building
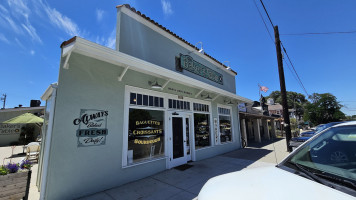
(117,116)
(254,124)
(10,133)
(276,109)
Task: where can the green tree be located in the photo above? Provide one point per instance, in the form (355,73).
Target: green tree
(294,100)
(323,108)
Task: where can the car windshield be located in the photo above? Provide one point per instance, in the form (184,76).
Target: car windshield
(320,128)
(331,154)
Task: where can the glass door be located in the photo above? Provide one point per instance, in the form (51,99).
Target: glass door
(178,139)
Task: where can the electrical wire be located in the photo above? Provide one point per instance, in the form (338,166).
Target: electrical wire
(295,71)
(321,33)
(266,13)
(269,33)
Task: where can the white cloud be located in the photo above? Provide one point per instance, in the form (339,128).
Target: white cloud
(166,7)
(62,22)
(32,32)
(99,14)
(4,39)
(107,41)
(32,52)
(3,9)
(19,43)
(111,41)
(12,24)
(57,19)
(19,8)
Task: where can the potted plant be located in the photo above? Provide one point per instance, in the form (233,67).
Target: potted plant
(15,180)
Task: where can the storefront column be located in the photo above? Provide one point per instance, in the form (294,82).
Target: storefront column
(265,129)
(249,129)
(273,128)
(243,130)
(256,127)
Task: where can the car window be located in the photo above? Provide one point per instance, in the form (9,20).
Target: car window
(333,152)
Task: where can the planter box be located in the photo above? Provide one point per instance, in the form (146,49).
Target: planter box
(15,186)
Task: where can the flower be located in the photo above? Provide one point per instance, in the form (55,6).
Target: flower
(12,167)
(26,164)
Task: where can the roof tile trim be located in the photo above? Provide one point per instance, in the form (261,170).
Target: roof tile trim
(170,32)
(65,43)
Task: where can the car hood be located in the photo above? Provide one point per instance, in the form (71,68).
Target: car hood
(267,183)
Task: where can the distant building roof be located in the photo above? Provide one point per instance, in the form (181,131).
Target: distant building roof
(22,109)
(275,107)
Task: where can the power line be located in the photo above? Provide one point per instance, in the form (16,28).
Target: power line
(295,72)
(321,33)
(266,13)
(269,33)
(290,69)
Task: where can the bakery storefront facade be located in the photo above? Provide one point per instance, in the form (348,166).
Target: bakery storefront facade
(116,116)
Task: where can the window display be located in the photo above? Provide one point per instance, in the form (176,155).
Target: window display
(225,125)
(146,135)
(201,130)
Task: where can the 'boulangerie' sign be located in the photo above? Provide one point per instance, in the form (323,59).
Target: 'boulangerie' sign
(92,127)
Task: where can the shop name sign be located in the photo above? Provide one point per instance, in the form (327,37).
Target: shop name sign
(189,64)
(92,127)
(10,128)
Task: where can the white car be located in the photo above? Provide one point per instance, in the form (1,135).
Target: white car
(322,168)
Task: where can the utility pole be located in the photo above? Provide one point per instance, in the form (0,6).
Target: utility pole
(4,100)
(283,88)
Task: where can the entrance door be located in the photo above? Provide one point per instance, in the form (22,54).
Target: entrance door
(180,146)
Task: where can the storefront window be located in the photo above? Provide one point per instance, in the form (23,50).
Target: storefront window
(225,125)
(146,135)
(201,130)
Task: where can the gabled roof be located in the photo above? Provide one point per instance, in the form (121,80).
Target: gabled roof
(275,107)
(170,32)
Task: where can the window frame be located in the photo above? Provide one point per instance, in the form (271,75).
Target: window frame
(166,109)
(231,121)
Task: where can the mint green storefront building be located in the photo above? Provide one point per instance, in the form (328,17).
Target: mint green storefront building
(116,116)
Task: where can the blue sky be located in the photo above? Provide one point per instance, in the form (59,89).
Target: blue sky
(31,32)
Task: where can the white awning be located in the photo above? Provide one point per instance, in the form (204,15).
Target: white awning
(90,49)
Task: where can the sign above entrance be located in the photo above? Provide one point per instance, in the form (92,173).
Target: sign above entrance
(188,63)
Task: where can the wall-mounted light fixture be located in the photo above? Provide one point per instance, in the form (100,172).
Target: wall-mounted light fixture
(154,85)
(207,97)
(201,50)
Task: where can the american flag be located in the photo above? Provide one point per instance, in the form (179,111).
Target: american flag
(264,88)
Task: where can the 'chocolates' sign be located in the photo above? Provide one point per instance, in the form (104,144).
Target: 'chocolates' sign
(92,127)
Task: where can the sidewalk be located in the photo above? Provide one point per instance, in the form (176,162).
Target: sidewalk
(176,184)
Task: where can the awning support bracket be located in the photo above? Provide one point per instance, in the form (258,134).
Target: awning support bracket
(66,64)
(123,74)
(199,93)
(165,84)
(216,97)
